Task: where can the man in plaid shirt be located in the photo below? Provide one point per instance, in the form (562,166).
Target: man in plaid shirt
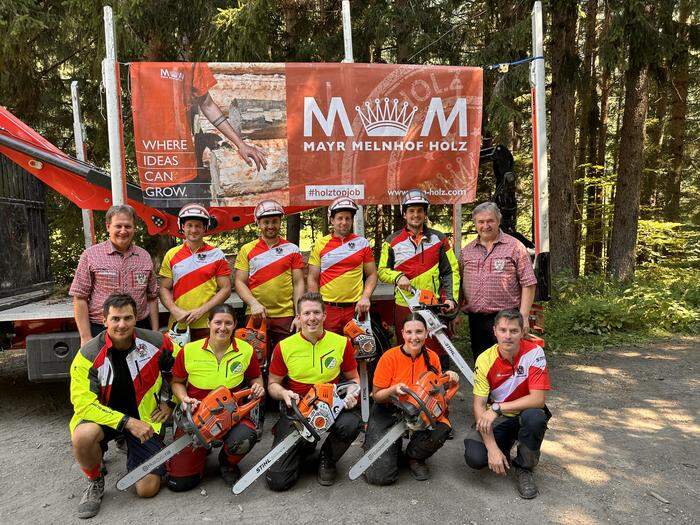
(497,275)
(116,265)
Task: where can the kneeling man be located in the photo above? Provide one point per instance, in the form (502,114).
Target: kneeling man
(117,390)
(309,357)
(510,383)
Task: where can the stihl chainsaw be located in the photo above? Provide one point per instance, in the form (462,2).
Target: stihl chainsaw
(215,415)
(362,338)
(312,417)
(424,303)
(422,407)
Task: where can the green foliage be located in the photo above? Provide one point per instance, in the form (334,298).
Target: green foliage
(591,311)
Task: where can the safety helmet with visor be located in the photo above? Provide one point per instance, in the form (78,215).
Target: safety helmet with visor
(268,208)
(194,211)
(414,197)
(342,204)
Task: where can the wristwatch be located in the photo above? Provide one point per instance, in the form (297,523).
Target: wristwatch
(496,407)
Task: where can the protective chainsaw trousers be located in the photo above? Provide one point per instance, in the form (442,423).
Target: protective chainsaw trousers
(285,472)
(421,445)
(186,468)
(528,428)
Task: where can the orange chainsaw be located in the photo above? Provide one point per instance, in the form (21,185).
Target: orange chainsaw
(362,338)
(206,426)
(312,417)
(255,337)
(422,407)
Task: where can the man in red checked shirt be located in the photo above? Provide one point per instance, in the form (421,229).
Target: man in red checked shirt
(309,357)
(510,385)
(342,268)
(497,275)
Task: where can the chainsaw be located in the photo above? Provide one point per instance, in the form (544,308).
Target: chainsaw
(312,417)
(255,337)
(205,427)
(360,334)
(422,407)
(424,303)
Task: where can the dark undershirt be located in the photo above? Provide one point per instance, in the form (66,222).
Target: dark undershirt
(122,396)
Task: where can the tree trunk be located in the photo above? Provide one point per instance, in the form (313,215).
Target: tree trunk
(595,217)
(626,212)
(679,107)
(653,150)
(588,120)
(561,172)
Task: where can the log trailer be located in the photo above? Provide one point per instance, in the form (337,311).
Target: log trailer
(45,327)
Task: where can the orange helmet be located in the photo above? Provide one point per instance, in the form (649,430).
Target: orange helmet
(342,204)
(268,208)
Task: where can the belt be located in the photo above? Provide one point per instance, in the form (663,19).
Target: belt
(338,305)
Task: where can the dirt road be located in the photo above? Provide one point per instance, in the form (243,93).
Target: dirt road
(623,447)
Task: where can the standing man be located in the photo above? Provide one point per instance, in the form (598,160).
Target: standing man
(419,257)
(194,277)
(341,267)
(510,383)
(309,357)
(117,389)
(270,274)
(497,275)
(116,265)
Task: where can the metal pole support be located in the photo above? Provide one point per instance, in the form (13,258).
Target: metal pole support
(110,78)
(78,132)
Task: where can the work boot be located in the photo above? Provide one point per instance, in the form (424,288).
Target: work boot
(526,483)
(326,470)
(121,445)
(92,498)
(419,470)
(230,474)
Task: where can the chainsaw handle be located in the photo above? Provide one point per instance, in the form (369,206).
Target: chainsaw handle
(452,390)
(244,409)
(296,414)
(421,405)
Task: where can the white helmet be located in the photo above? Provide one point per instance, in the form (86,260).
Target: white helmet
(178,336)
(414,197)
(194,211)
(268,208)
(342,204)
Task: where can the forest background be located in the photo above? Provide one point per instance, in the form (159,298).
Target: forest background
(623,103)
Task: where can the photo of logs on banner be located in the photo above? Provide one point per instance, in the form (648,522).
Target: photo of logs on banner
(232,134)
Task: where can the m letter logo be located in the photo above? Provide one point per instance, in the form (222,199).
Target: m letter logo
(335,109)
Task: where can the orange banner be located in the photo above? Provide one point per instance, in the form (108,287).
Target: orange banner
(234,134)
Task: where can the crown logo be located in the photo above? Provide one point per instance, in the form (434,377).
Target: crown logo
(386,118)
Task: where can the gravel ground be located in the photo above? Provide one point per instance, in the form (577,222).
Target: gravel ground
(622,447)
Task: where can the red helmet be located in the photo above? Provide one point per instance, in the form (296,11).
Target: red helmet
(194,211)
(342,204)
(414,197)
(268,208)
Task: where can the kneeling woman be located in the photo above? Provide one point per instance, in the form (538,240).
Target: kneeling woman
(200,367)
(398,368)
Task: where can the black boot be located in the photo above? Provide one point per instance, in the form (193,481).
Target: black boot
(526,483)
(326,470)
